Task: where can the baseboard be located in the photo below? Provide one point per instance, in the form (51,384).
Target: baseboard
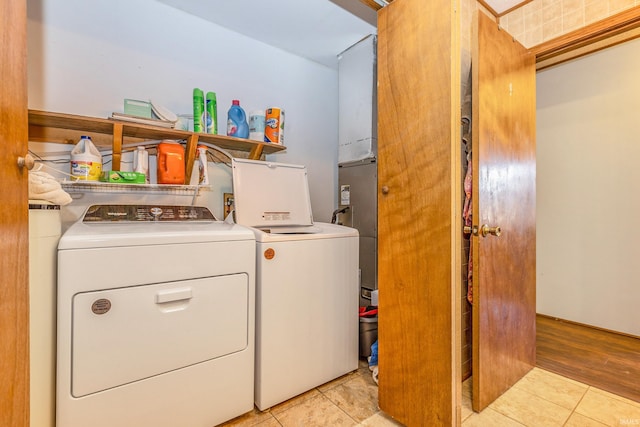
(624,334)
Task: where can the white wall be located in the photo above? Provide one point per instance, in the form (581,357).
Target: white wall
(588,199)
(85,57)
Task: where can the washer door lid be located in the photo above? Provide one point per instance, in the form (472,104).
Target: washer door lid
(269,194)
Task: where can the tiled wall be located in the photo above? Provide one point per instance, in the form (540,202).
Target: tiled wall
(542,20)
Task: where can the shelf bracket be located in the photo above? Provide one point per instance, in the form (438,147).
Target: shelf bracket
(256,152)
(192,144)
(116,146)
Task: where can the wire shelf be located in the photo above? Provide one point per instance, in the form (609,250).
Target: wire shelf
(108,187)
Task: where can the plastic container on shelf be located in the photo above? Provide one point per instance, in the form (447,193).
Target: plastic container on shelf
(237,121)
(170,163)
(141,162)
(200,173)
(256,125)
(199,120)
(274,125)
(86,161)
(212,113)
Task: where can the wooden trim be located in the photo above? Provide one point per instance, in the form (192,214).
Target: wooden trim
(498,15)
(256,152)
(192,145)
(489,8)
(518,6)
(607,32)
(117,147)
(598,358)
(372,4)
(456,177)
(584,325)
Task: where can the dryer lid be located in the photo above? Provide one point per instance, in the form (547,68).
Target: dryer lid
(271,195)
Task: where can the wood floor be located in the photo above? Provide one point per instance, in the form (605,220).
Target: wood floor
(595,357)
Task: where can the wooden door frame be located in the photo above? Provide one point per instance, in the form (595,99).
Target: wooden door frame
(14,250)
(602,34)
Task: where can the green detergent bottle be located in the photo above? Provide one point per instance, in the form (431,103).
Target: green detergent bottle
(199,123)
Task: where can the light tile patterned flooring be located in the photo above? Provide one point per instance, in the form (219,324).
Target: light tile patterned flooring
(540,399)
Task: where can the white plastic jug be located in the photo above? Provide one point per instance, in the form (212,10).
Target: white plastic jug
(86,161)
(141,162)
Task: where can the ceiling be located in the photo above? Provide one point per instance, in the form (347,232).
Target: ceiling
(318,30)
(314,29)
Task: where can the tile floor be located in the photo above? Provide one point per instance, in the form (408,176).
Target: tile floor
(539,399)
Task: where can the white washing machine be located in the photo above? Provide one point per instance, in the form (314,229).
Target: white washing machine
(155,318)
(307,286)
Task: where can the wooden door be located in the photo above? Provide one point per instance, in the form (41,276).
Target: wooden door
(419,221)
(14,288)
(504,189)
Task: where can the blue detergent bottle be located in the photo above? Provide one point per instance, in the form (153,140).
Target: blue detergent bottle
(237,121)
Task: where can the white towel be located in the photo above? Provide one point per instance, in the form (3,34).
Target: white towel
(43,186)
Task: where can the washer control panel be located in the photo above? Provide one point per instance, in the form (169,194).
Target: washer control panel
(147,213)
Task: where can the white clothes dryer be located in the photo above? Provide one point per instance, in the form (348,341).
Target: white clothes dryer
(307,283)
(155,318)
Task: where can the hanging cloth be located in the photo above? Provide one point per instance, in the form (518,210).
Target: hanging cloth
(467,213)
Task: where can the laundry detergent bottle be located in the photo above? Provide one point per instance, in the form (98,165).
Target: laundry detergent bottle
(86,160)
(170,163)
(237,121)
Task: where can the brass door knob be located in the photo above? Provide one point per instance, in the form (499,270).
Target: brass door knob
(384,189)
(495,231)
(26,162)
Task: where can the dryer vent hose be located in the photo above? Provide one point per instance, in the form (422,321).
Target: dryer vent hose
(334,217)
